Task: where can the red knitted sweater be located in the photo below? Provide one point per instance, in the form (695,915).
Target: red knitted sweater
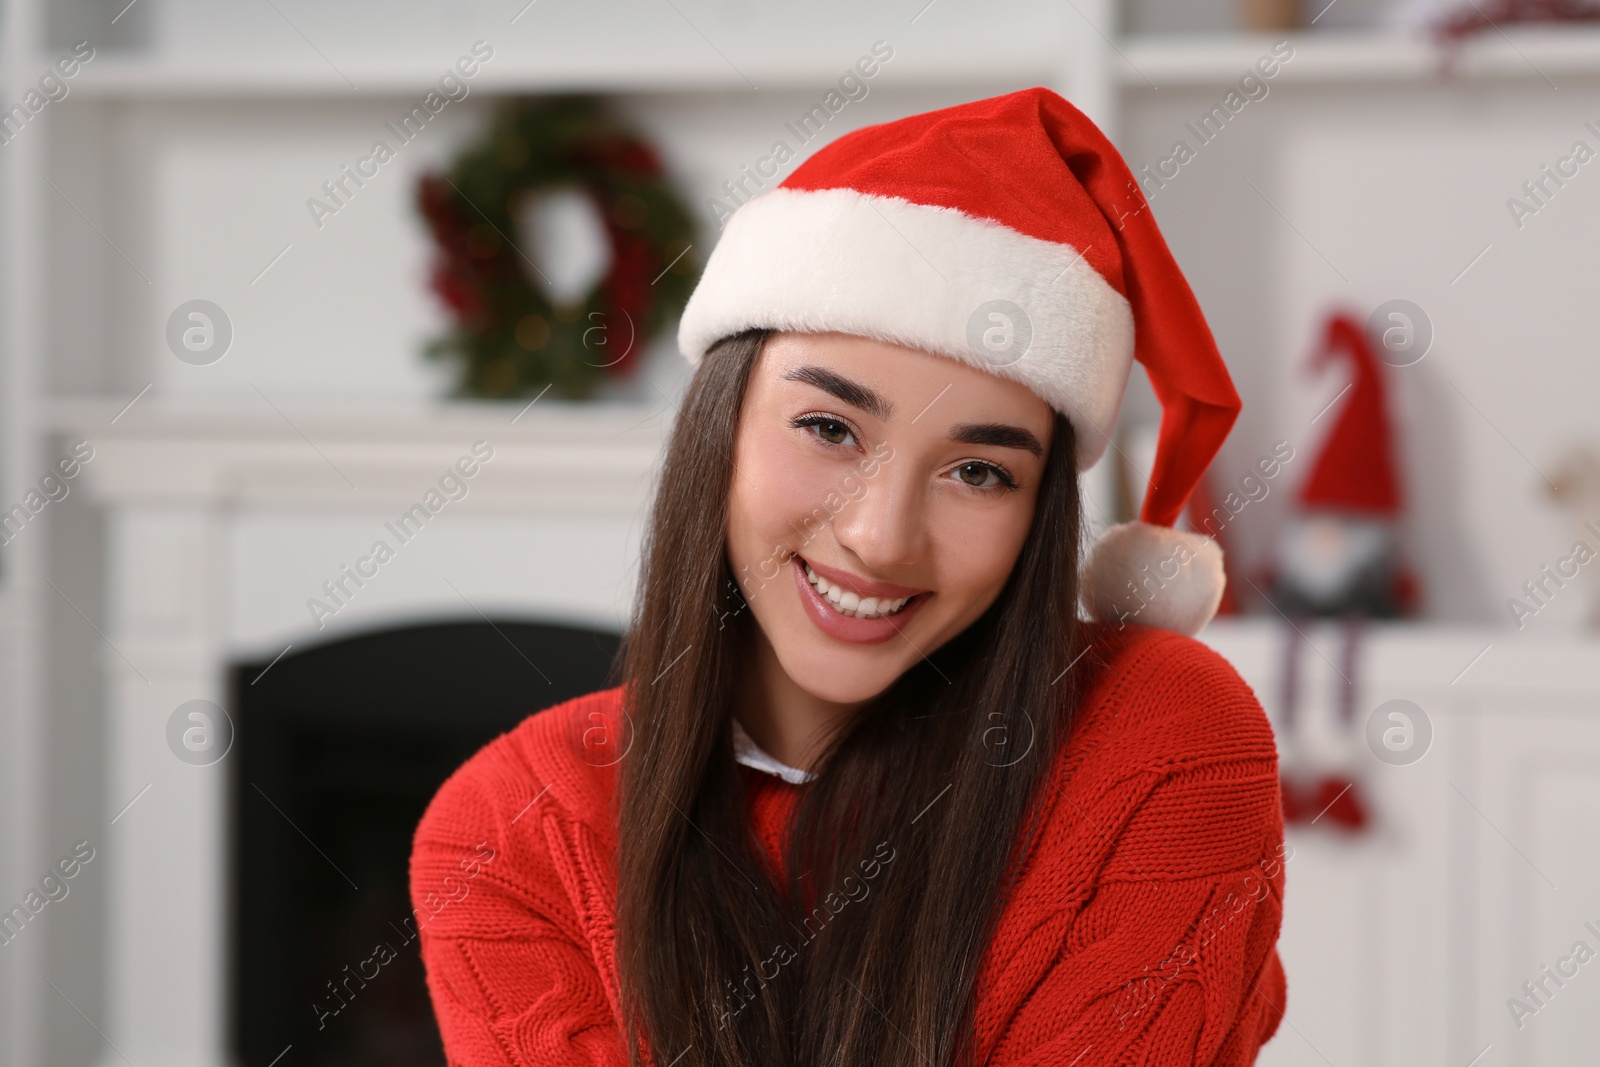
(1143,929)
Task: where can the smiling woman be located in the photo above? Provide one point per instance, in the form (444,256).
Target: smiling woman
(1063,799)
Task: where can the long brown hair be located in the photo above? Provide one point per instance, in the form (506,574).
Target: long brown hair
(901,850)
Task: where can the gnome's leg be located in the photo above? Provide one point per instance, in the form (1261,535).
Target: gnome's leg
(1340,794)
(1349,656)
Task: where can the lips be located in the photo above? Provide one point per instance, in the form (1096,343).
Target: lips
(863,587)
(848,593)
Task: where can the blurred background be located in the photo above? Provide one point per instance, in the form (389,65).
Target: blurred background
(336,356)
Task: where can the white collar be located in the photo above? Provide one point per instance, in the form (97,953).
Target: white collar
(747,752)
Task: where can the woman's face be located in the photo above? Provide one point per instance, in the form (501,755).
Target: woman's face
(880,497)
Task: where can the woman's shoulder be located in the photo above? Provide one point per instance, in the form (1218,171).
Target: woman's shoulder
(1169,763)
(1168,698)
(561,758)
(509,848)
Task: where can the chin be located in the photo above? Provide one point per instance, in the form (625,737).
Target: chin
(839,676)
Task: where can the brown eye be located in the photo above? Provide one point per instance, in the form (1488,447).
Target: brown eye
(827,429)
(833,432)
(976,475)
(985,476)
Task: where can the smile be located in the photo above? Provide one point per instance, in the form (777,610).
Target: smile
(851,609)
(853,605)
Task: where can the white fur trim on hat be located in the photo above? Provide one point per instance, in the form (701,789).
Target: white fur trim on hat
(1153,575)
(927,277)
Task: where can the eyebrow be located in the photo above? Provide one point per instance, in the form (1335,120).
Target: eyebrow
(852,393)
(1000,434)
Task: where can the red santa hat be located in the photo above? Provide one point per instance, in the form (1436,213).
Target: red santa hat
(1355,471)
(1009,234)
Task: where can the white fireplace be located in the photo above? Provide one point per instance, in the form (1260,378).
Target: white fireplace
(222,527)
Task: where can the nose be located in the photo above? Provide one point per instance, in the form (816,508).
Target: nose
(886,527)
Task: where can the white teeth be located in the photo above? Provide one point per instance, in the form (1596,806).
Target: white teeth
(817,580)
(852,604)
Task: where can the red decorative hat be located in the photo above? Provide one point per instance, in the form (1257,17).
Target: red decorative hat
(1355,471)
(1009,234)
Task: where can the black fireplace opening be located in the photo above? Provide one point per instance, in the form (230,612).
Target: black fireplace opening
(338,750)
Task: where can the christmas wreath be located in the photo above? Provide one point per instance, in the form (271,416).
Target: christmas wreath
(509,337)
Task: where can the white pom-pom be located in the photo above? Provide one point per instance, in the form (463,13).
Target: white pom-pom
(1153,575)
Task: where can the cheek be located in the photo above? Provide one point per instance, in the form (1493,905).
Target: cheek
(975,550)
(778,494)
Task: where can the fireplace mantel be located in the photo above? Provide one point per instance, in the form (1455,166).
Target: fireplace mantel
(572,456)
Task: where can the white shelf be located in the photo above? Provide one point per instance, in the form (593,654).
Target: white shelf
(1356,57)
(1320,57)
(143,76)
(1470,657)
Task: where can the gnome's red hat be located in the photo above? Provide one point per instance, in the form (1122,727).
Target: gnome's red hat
(1009,234)
(1355,471)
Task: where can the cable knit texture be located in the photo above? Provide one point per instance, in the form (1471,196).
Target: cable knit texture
(1143,929)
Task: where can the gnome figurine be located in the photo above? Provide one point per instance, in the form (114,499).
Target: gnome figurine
(1338,557)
